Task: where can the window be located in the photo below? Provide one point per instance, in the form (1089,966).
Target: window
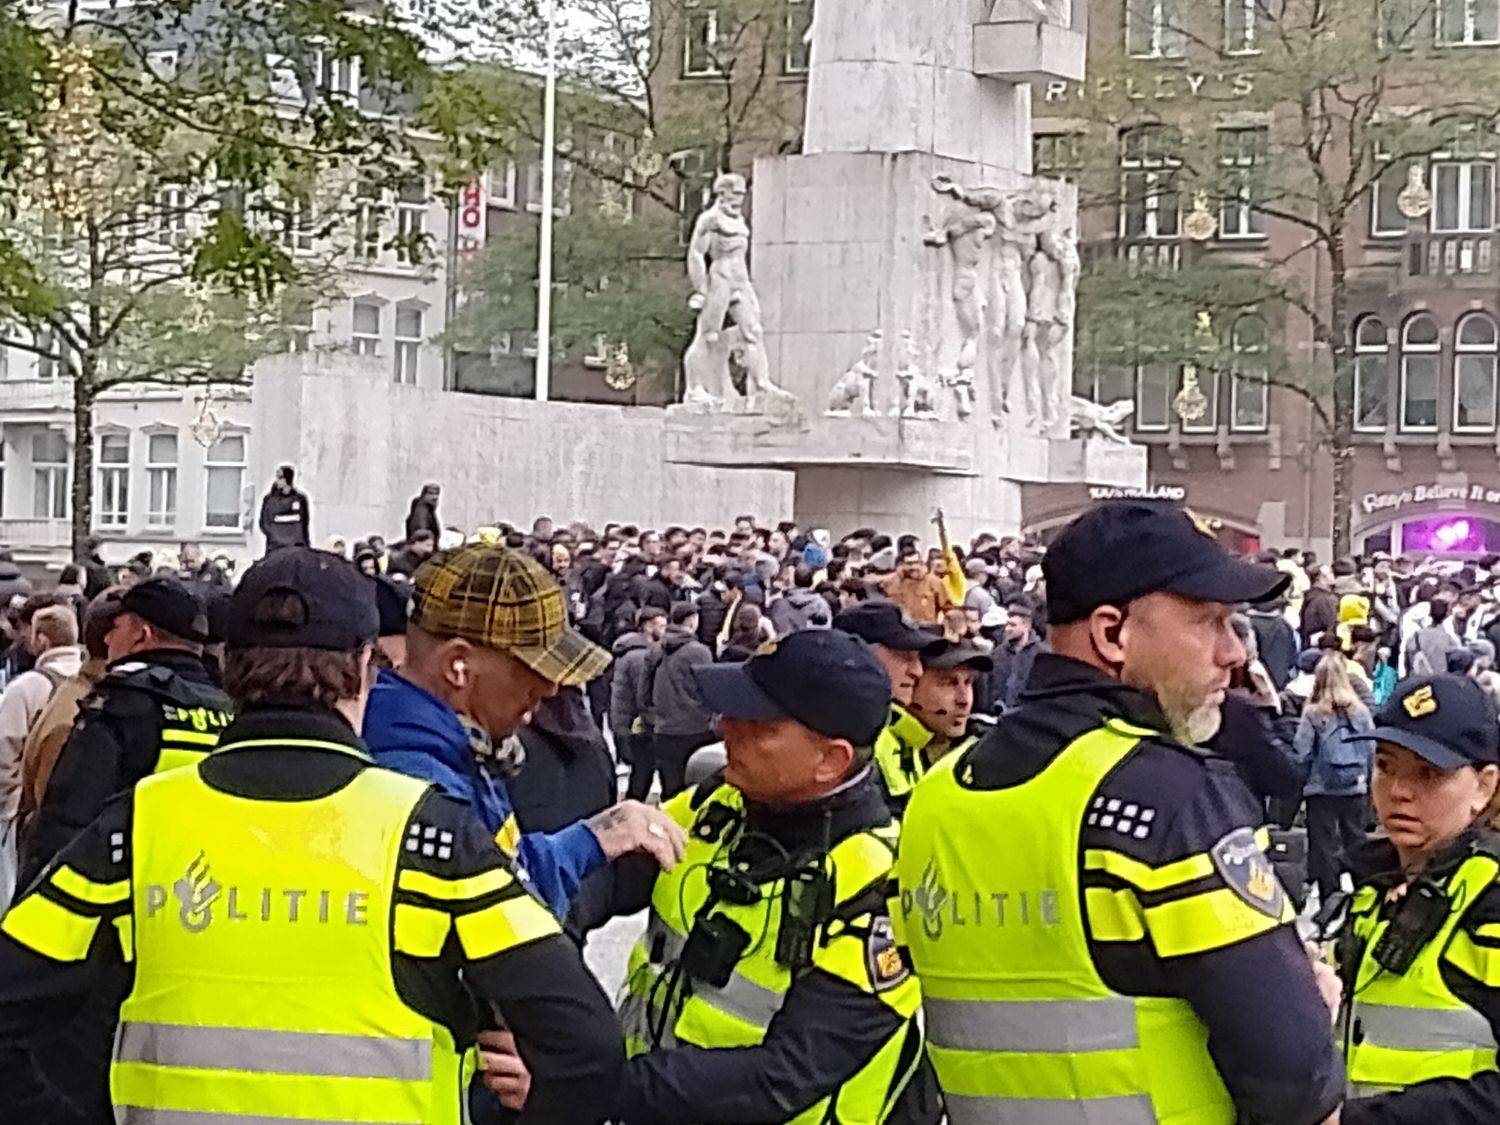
(113,506)
(1239,26)
(1153,395)
(367,221)
(1058,156)
(1372,376)
(1208,383)
(411,221)
(1474,375)
(1153,29)
(1419,374)
(338,77)
(226,475)
(1105,383)
(503,185)
(299,326)
(366,328)
(408,343)
(1401,21)
(1249,393)
(700,46)
(799,17)
(57,361)
(294,226)
(170,219)
(695,179)
(1149,205)
(285,83)
(1463,195)
(562,187)
(49,464)
(1385,215)
(1467,22)
(161,480)
(1242,154)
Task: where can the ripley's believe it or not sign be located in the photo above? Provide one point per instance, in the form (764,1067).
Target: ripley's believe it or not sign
(1158,88)
(1373,502)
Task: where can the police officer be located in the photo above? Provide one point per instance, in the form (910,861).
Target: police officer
(1099,933)
(157,707)
(1421,956)
(768,987)
(943,703)
(900,646)
(301,930)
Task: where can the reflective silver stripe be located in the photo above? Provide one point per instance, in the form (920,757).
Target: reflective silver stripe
(741,998)
(968,1110)
(275,1052)
(1032,1026)
(135,1115)
(1365,1090)
(1424,1029)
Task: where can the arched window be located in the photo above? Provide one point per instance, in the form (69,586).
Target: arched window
(1419,374)
(1372,375)
(1475,346)
(1249,392)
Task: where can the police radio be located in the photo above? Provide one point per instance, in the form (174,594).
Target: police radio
(805,905)
(1423,910)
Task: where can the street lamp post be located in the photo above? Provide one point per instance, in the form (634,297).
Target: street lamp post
(544,241)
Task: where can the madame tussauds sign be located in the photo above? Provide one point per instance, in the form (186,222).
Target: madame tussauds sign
(1372,502)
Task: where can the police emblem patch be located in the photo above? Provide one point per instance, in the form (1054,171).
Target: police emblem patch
(886,966)
(1419,703)
(1243,865)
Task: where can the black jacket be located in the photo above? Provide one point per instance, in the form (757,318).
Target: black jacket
(827,1028)
(284,520)
(568,776)
(1012,668)
(115,743)
(423,517)
(676,708)
(1320,613)
(567,1031)
(1278,645)
(12,583)
(97,576)
(1450,1101)
(1290,1074)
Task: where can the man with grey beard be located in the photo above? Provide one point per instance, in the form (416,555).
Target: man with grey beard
(1086,884)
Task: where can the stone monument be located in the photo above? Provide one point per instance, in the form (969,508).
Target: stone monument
(910,234)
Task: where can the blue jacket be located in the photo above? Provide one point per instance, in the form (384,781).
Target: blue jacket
(1336,766)
(413,732)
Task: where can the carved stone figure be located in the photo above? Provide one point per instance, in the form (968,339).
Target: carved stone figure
(1088,419)
(965,235)
(855,390)
(919,391)
(1018,218)
(729,321)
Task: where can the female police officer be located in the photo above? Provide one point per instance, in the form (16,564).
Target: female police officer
(1421,956)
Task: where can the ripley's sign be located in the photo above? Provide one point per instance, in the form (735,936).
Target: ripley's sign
(1160,88)
(1372,502)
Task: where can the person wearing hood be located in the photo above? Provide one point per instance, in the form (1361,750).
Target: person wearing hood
(801,607)
(487,642)
(1275,639)
(13,583)
(629,697)
(284,513)
(423,515)
(681,723)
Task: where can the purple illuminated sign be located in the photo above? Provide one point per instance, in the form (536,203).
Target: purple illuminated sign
(1451,534)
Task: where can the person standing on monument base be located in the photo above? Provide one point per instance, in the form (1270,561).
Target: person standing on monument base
(298,932)
(285,515)
(1085,895)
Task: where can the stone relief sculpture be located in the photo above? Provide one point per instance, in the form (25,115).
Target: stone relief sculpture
(918,390)
(854,393)
(729,331)
(1088,419)
(1021,307)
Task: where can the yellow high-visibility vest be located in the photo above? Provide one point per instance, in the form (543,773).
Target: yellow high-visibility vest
(1021,1026)
(1411,1027)
(662,1011)
(262,937)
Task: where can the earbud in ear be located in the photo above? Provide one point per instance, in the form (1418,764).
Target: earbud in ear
(461,671)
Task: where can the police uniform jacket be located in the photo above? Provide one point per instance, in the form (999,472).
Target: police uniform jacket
(523,964)
(1475,980)
(826,1029)
(117,740)
(1166,808)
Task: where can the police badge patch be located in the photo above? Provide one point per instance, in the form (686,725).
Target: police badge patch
(1243,864)
(886,966)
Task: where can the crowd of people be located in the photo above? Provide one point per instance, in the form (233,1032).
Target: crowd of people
(844,776)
